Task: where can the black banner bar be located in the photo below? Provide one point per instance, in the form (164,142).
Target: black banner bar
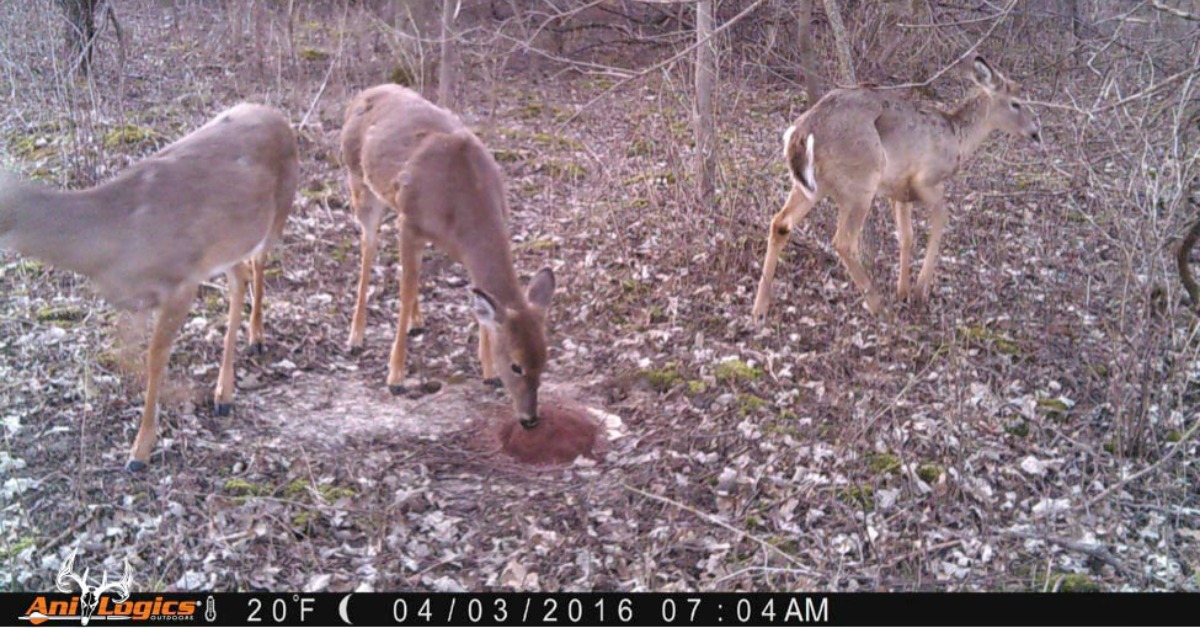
(602,609)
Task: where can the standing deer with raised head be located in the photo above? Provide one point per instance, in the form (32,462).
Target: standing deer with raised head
(213,202)
(857,143)
(403,152)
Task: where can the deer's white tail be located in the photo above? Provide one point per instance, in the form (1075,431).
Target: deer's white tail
(801,162)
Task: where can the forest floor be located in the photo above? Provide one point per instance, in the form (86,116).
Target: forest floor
(969,445)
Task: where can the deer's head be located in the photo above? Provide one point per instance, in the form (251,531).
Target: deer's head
(1007,112)
(518,341)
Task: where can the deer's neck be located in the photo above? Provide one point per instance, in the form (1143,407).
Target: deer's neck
(58,228)
(490,265)
(971,122)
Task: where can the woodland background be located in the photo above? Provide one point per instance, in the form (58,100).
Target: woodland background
(1032,429)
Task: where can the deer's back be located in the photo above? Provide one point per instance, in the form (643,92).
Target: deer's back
(863,131)
(384,127)
(203,203)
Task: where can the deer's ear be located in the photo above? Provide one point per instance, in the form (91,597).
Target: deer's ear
(983,74)
(541,288)
(487,312)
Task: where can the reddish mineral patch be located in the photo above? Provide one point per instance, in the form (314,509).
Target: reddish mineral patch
(564,432)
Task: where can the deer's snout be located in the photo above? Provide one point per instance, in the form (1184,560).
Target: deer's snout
(527,408)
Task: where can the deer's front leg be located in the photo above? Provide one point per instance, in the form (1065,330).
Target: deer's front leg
(410,278)
(258,267)
(490,377)
(237,276)
(852,214)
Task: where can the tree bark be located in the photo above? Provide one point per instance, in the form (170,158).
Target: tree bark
(448,66)
(705,85)
(1182,257)
(80,31)
(814,84)
(841,43)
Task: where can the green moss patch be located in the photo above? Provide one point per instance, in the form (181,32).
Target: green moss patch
(62,316)
(734,371)
(1074,583)
(980,336)
(929,473)
(662,379)
(858,496)
(313,54)
(883,462)
(127,135)
(749,404)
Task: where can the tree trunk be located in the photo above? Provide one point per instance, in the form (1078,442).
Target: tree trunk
(813,83)
(706,56)
(80,31)
(448,67)
(841,44)
(1182,258)
(1076,18)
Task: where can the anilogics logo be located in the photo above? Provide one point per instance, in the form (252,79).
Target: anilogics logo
(107,601)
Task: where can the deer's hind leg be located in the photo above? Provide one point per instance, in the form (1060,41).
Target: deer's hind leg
(794,210)
(171,315)
(904,238)
(932,197)
(852,214)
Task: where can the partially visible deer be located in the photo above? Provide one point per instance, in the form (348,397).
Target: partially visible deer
(856,143)
(213,202)
(403,152)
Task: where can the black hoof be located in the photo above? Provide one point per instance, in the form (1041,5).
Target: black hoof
(222,409)
(494,382)
(134,466)
(413,332)
(529,423)
(397,389)
(355,350)
(258,348)
(431,386)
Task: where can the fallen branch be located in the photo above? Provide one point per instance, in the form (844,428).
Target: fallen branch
(1175,449)
(717,522)
(1095,550)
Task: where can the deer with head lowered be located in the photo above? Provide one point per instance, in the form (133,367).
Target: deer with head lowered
(403,152)
(213,202)
(857,143)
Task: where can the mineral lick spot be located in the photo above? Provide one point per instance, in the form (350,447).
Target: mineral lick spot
(563,433)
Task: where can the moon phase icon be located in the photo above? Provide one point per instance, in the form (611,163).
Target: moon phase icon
(344,609)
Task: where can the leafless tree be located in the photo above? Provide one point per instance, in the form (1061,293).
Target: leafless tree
(448,68)
(80,31)
(841,44)
(814,83)
(706,61)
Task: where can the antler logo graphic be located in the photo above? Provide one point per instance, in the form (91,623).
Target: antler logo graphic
(89,596)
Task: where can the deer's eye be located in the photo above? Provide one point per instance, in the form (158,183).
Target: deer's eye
(516,368)
(1016,106)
